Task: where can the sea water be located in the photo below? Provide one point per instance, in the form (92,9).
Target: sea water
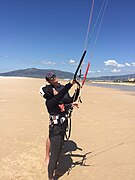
(115,86)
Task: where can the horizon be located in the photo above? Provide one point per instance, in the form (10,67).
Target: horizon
(65,71)
(51,35)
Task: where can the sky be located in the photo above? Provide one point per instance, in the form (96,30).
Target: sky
(51,34)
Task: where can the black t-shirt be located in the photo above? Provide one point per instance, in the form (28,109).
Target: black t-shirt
(63,97)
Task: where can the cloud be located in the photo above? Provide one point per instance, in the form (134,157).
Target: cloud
(127,64)
(116,70)
(72,62)
(48,63)
(113,63)
(93,72)
(133,63)
(90,71)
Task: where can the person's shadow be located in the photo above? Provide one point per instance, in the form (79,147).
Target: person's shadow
(66,164)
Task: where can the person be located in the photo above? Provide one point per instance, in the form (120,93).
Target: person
(67,100)
(57,102)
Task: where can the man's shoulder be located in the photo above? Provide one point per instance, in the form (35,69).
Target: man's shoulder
(44,89)
(45,86)
(61,85)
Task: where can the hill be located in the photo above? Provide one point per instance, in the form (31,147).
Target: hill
(40,73)
(37,73)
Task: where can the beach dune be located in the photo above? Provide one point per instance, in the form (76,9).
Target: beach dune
(102,143)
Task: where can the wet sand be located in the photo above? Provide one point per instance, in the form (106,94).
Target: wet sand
(102,143)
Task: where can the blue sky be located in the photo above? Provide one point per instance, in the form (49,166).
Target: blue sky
(50,34)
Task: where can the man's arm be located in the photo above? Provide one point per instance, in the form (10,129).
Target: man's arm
(55,100)
(76,94)
(41,91)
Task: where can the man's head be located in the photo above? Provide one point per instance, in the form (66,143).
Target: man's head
(51,79)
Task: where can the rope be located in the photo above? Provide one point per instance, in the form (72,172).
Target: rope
(97,35)
(89,24)
(92,52)
(93,30)
(85,75)
(101,13)
(85,45)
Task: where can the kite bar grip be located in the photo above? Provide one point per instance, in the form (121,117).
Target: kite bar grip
(80,63)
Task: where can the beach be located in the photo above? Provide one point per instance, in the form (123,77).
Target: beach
(102,142)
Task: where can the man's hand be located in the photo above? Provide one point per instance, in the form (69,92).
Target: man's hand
(55,92)
(74,81)
(75,105)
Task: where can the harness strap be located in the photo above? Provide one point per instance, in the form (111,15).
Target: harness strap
(57,119)
(68,131)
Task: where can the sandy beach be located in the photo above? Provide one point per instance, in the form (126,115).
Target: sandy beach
(102,143)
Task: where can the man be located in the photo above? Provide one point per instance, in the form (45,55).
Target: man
(58,102)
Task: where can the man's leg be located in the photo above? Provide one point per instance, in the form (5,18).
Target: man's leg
(56,144)
(47,151)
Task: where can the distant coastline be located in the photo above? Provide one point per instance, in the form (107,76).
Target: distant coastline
(40,73)
(114,85)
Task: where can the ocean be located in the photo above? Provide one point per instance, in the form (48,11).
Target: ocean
(115,86)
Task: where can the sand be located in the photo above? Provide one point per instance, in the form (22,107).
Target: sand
(103,129)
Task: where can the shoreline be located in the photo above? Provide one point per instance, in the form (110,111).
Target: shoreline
(113,83)
(65,80)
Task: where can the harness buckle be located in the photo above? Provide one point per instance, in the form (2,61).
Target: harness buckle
(56,119)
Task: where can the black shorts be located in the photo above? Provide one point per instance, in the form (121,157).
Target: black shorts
(58,129)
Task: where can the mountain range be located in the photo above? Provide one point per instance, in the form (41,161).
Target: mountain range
(40,73)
